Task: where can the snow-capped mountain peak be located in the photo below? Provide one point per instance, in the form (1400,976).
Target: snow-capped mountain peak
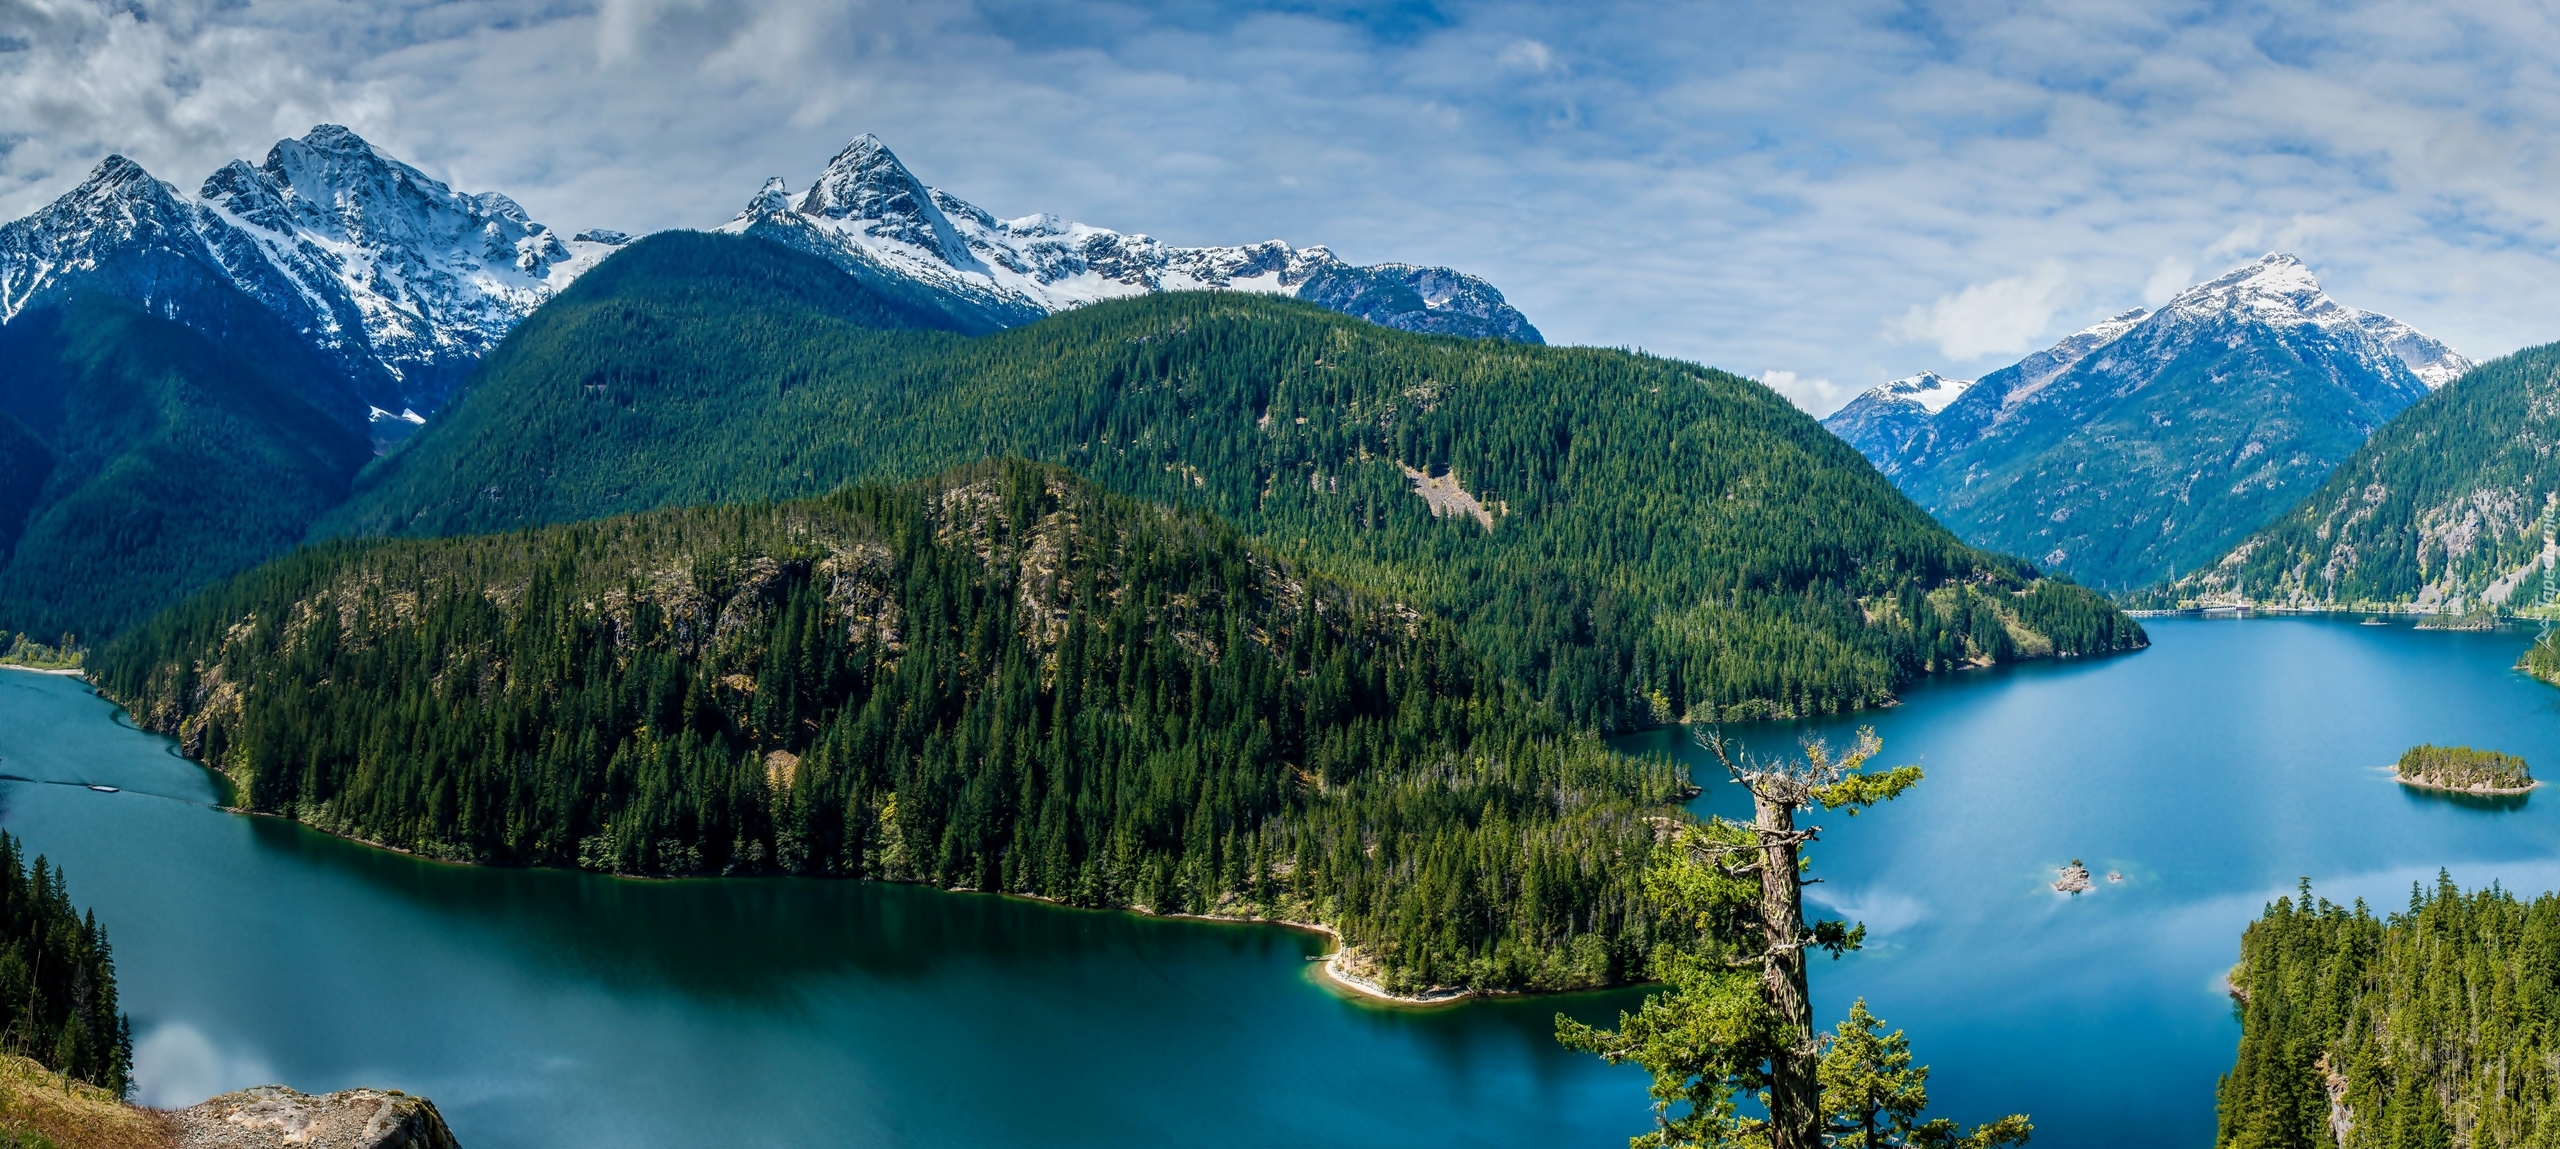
(400,283)
(1928,390)
(2280,291)
(394,278)
(867,184)
(2149,440)
(870,215)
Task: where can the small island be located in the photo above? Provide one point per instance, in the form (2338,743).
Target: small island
(2074,879)
(2464,770)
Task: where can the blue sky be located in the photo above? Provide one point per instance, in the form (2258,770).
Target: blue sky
(1820,195)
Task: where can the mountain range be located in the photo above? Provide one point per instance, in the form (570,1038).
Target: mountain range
(166,355)
(2150,442)
(395,282)
(1631,538)
(869,215)
(399,284)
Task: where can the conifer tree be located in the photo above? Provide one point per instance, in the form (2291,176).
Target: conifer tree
(1737,1019)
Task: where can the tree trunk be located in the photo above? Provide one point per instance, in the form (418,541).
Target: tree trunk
(1795,1088)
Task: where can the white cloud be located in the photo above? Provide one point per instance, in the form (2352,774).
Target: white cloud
(2171,277)
(1999,317)
(175,1065)
(1749,190)
(1527,55)
(1817,397)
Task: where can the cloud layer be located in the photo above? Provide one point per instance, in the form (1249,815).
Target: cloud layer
(1822,196)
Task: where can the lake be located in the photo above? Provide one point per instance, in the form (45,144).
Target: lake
(556,1009)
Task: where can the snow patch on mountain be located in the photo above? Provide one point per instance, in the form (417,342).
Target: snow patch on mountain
(2043,367)
(2279,290)
(1928,390)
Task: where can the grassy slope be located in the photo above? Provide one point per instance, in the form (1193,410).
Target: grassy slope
(1670,539)
(41,1109)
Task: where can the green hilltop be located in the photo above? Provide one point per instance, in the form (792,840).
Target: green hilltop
(1633,539)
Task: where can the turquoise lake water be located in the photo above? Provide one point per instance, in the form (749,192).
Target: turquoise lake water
(556,1009)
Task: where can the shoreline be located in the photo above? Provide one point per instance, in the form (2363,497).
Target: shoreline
(1333,971)
(2445,620)
(66,671)
(2482,791)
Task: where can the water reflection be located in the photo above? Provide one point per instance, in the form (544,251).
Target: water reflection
(2466,800)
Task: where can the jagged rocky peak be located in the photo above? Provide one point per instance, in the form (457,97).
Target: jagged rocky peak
(117,198)
(333,183)
(2279,290)
(870,215)
(866,181)
(398,282)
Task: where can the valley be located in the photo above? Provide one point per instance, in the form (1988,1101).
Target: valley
(533,1003)
(2147,444)
(748,682)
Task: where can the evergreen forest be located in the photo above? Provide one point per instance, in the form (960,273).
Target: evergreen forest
(2433,1027)
(57,978)
(140,460)
(1632,539)
(1001,679)
(2463,768)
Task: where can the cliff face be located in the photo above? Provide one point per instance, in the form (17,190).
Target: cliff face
(274,1117)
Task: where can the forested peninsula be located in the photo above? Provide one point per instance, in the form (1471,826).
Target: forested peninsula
(1003,679)
(1632,539)
(2435,1026)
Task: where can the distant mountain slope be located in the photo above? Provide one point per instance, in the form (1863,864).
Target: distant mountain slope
(1895,422)
(396,280)
(1635,538)
(2448,507)
(868,214)
(140,459)
(2151,442)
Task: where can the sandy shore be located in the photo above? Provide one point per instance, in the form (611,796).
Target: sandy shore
(74,672)
(1337,972)
(2483,791)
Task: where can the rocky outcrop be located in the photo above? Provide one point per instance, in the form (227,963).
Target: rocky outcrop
(274,1117)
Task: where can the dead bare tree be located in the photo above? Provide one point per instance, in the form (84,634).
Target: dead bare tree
(1770,850)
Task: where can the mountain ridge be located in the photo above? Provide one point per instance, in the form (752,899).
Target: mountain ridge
(867,213)
(403,283)
(397,280)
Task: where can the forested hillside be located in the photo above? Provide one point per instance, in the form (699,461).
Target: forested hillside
(1635,539)
(140,459)
(2437,1026)
(1001,679)
(2447,507)
(58,978)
